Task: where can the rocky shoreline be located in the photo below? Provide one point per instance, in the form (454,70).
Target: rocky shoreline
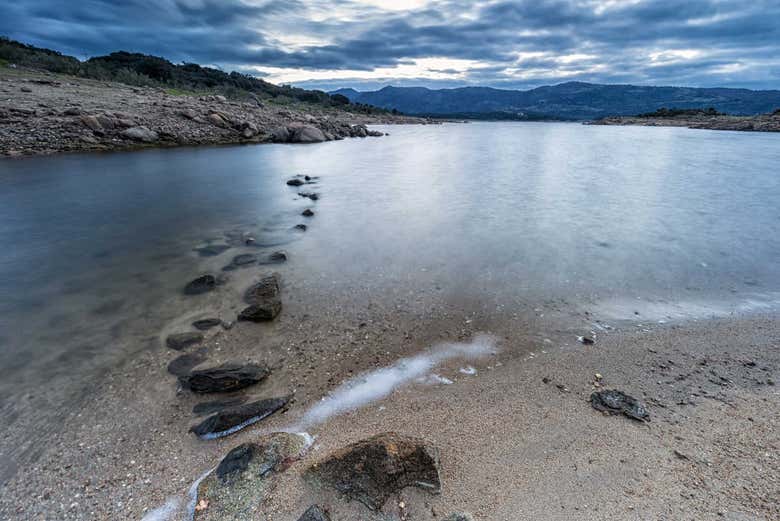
(45,113)
(760,123)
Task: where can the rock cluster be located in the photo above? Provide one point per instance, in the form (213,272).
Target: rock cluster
(38,115)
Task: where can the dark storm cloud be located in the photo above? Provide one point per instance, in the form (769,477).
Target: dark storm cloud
(716,41)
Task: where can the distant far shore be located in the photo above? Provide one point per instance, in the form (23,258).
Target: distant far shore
(45,113)
(759,123)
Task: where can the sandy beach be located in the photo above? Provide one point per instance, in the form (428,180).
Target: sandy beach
(518,437)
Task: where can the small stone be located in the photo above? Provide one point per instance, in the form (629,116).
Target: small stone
(295,182)
(206,323)
(308,213)
(617,402)
(585,340)
(301,227)
(277,257)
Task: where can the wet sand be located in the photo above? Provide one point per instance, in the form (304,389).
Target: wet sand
(518,439)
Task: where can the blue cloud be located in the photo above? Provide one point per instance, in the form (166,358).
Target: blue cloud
(738,42)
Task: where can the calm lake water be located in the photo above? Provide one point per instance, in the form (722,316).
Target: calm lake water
(97,247)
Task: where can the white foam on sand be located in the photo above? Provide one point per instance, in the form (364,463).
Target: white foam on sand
(353,394)
(378,384)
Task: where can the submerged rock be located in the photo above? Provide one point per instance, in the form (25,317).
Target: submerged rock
(372,470)
(200,285)
(263,312)
(244,259)
(314,513)
(206,323)
(244,478)
(182,365)
(277,257)
(310,195)
(267,287)
(301,227)
(617,402)
(227,377)
(179,341)
(234,418)
(295,182)
(212,250)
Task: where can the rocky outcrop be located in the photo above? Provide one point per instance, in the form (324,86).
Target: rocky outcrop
(234,418)
(80,114)
(372,470)
(224,378)
(237,488)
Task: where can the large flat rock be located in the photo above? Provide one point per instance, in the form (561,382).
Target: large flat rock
(232,419)
(373,470)
(228,377)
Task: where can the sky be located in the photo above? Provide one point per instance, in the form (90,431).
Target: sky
(367,44)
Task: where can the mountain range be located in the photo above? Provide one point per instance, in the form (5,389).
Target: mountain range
(572,100)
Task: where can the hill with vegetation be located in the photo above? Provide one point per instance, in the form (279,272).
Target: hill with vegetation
(142,70)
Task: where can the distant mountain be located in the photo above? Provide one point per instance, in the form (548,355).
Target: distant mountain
(573,100)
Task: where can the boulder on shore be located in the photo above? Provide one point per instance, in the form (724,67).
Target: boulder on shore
(307,134)
(142,134)
(233,419)
(372,470)
(224,378)
(244,478)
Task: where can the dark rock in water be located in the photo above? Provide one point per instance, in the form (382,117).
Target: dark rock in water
(301,227)
(182,365)
(306,177)
(372,470)
(212,250)
(585,340)
(310,195)
(267,310)
(249,240)
(277,257)
(617,402)
(267,287)
(244,478)
(179,341)
(233,419)
(200,285)
(295,182)
(199,409)
(206,323)
(263,299)
(244,259)
(307,213)
(227,377)
(314,513)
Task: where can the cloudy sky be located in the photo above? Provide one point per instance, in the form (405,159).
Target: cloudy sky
(436,43)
